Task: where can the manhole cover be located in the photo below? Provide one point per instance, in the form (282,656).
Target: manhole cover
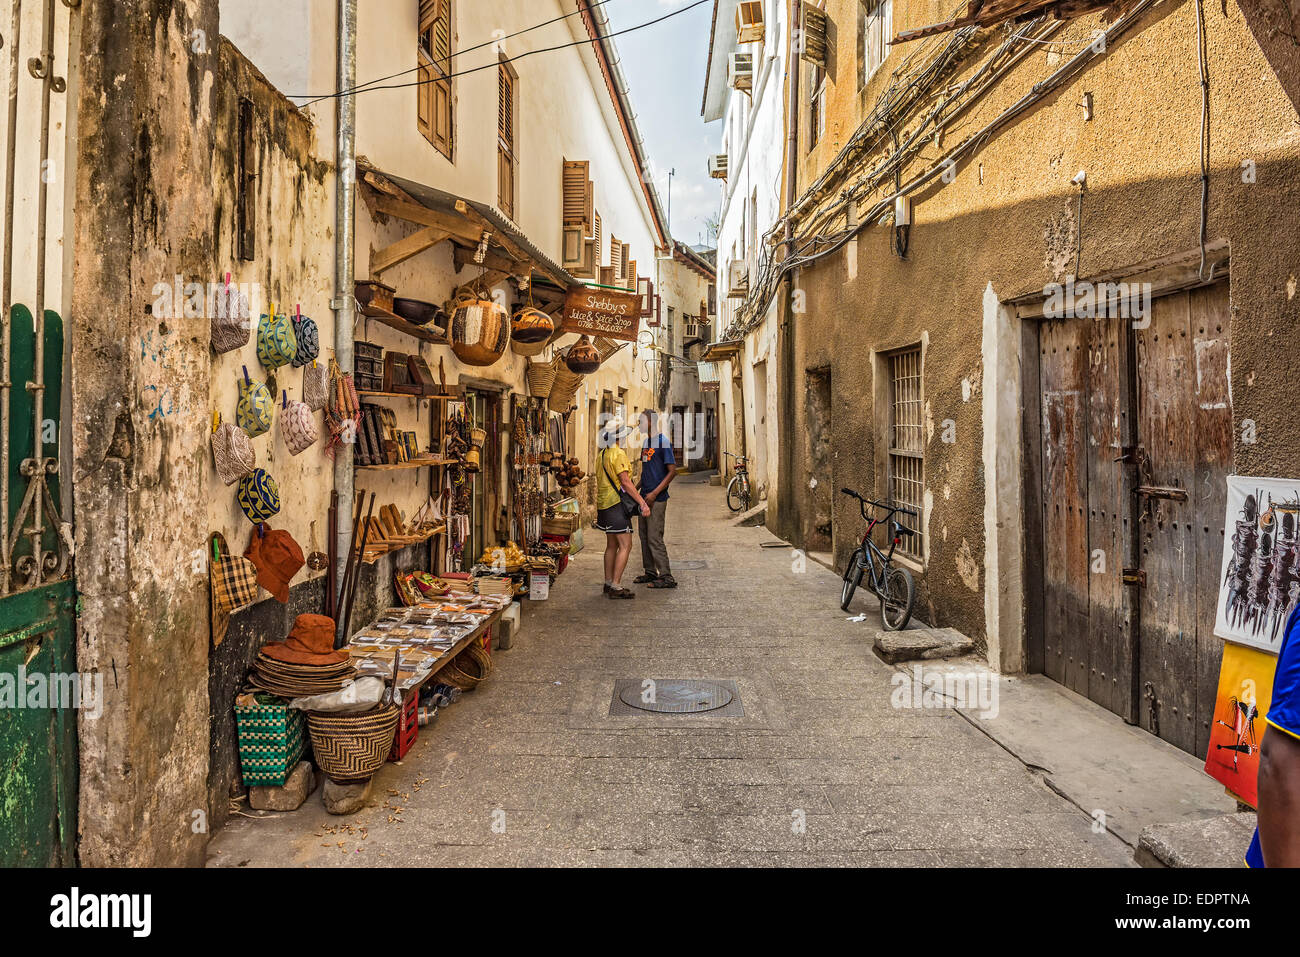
(676,696)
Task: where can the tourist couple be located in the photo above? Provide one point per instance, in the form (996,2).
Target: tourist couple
(618,498)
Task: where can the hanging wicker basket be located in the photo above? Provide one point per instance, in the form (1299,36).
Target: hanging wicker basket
(564,389)
(606,347)
(541,375)
(352,747)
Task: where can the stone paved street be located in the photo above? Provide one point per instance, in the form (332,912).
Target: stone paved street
(875,785)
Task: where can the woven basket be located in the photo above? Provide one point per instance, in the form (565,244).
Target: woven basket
(352,747)
(541,375)
(528,348)
(605,347)
(563,389)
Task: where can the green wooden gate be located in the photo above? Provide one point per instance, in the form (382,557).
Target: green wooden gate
(38,730)
(38,671)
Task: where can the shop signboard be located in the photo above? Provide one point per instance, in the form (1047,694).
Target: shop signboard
(602,312)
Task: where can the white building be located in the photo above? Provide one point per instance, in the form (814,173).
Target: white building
(467,123)
(744,87)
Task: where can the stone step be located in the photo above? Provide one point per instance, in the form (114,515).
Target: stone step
(921,644)
(1212,842)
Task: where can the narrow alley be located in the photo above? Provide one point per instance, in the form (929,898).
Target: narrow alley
(876,785)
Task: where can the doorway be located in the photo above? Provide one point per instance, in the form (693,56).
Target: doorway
(1134,449)
(818,529)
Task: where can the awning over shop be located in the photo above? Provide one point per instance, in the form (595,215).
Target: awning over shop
(987,13)
(721,351)
(480,234)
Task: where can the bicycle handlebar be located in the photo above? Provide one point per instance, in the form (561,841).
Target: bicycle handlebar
(885,505)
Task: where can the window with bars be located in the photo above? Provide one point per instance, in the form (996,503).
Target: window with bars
(506,140)
(433,96)
(875,30)
(907,443)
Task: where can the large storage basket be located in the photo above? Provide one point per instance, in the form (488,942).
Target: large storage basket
(271,739)
(352,747)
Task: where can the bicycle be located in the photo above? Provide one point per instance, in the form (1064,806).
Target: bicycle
(893,585)
(738,489)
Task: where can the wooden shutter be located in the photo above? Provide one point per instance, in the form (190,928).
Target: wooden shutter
(597,234)
(624,263)
(578,194)
(433,97)
(506,140)
(615,256)
(629,277)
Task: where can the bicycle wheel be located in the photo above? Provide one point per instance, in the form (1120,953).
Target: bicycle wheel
(852,579)
(897,599)
(736,496)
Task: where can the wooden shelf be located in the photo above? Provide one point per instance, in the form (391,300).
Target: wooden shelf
(423,463)
(407,395)
(394,321)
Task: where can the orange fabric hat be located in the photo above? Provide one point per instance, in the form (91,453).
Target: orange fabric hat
(277,557)
(310,643)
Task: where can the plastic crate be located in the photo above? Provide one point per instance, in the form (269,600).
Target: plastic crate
(271,740)
(408,727)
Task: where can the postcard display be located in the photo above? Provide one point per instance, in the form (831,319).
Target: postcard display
(1258,587)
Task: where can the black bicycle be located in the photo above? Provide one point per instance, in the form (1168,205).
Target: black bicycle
(893,585)
(738,495)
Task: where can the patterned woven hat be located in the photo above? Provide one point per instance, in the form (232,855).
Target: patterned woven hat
(276,344)
(254,409)
(308,338)
(259,496)
(298,425)
(232,451)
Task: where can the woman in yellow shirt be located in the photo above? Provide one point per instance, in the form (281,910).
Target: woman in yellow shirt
(614,474)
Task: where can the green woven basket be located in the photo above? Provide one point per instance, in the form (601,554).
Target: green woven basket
(271,741)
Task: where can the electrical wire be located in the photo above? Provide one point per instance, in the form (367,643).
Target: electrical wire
(1203,59)
(497,63)
(756,306)
(451,56)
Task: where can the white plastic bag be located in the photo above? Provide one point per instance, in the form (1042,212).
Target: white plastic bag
(359,695)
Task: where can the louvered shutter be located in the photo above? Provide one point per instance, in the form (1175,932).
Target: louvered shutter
(576,183)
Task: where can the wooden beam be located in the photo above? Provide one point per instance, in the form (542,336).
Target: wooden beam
(498,237)
(422,215)
(465,257)
(405,248)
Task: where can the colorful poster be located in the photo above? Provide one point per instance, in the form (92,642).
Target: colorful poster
(1260,581)
(1244,695)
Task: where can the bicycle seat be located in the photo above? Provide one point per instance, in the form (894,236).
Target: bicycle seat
(901,529)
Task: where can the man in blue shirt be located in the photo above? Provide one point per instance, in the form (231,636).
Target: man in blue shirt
(1277,839)
(658,469)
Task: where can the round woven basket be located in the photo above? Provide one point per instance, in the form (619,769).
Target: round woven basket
(480,330)
(528,348)
(352,747)
(467,669)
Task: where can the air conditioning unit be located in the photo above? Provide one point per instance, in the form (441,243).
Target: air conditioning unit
(749,21)
(741,71)
(738,279)
(718,166)
(813,26)
(697,330)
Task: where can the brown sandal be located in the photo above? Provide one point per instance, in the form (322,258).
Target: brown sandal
(620,593)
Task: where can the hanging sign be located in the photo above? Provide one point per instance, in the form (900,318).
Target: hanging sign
(602,312)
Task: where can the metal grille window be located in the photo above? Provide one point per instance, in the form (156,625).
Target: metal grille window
(907,442)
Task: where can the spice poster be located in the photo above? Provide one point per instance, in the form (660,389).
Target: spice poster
(1240,704)
(602,312)
(1260,581)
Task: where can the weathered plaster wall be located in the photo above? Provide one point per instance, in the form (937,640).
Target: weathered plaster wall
(291,199)
(139,408)
(1007,220)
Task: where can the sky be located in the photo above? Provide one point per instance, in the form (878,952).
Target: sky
(664,65)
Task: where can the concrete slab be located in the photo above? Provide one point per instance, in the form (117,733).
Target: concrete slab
(1118,774)
(921,644)
(1211,842)
(751,519)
